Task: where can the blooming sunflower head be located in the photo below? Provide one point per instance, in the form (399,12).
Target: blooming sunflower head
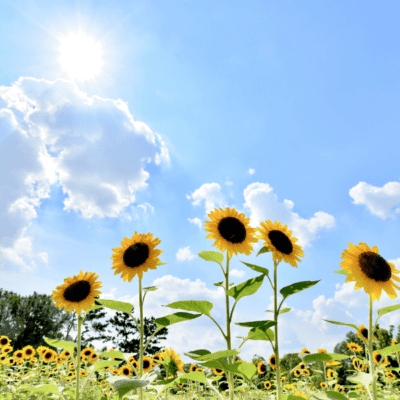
(280,242)
(231,231)
(370,270)
(136,256)
(77,293)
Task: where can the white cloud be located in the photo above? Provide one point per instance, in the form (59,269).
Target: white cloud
(196,221)
(185,254)
(228,182)
(52,132)
(380,201)
(237,273)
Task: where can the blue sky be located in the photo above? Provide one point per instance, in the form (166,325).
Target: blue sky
(284,111)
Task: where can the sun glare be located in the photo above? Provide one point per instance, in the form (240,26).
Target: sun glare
(80,56)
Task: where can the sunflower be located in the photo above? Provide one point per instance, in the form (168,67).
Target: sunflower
(77,293)
(231,231)
(370,270)
(279,241)
(364,333)
(136,255)
(175,357)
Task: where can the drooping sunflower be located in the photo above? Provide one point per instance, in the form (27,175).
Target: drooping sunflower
(231,231)
(136,256)
(77,293)
(279,241)
(370,270)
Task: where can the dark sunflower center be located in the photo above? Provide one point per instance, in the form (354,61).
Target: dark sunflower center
(375,266)
(281,242)
(364,333)
(136,255)
(77,291)
(232,230)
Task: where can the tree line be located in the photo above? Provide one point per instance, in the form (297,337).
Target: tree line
(27,320)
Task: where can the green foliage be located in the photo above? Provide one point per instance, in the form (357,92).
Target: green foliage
(125,327)
(26,320)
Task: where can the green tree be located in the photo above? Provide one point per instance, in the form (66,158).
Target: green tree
(37,315)
(10,326)
(125,327)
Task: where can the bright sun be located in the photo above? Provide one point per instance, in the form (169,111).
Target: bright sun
(80,56)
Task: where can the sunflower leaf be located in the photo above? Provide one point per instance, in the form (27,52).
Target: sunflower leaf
(263,249)
(174,318)
(328,395)
(50,388)
(389,350)
(222,284)
(116,305)
(257,324)
(245,370)
(246,288)
(212,256)
(261,334)
(197,353)
(205,355)
(150,288)
(309,358)
(342,323)
(385,310)
(296,287)
(201,306)
(194,376)
(285,310)
(60,344)
(124,385)
(342,271)
(256,268)
(361,377)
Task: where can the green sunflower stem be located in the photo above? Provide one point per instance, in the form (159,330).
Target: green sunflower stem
(370,350)
(141,337)
(278,372)
(78,356)
(228,327)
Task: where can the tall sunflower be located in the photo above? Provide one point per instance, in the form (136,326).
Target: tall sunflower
(279,241)
(231,231)
(136,256)
(77,293)
(370,270)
